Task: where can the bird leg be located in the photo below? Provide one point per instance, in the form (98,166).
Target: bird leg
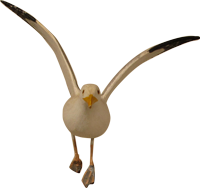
(76,164)
(91,151)
(89,175)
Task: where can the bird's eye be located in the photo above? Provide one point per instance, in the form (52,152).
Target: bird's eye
(83,91)
(98,91)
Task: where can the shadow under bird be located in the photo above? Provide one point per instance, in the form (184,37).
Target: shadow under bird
(86,113)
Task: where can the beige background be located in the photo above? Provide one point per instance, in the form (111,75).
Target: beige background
(153,139)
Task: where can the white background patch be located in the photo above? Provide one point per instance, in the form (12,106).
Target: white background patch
(166,158)
(24,156)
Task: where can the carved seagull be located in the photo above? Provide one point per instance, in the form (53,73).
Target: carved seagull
(86,113)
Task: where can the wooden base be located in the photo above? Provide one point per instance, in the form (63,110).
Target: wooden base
(103,175)
(89,176)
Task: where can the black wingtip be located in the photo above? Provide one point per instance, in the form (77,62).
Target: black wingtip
(21,13)
(173,43)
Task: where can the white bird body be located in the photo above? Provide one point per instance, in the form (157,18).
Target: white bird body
(83,121)
(86,113)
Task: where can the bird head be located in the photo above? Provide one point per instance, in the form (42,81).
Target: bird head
(90,93)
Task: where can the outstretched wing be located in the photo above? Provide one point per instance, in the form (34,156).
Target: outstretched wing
(141,58)
(53,43)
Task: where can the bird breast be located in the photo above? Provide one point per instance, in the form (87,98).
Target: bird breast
(83,121)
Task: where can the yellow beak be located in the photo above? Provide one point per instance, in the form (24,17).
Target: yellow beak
(90,100)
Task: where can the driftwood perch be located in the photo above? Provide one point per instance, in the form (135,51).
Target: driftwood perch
(103,175)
